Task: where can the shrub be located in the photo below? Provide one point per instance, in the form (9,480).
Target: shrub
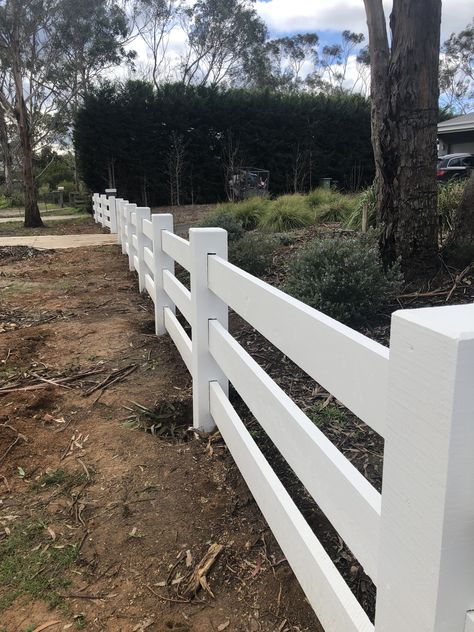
(286,213)
(253,253)
(343,277)
(223,218)
(449,198)
(366,198)
(251,211)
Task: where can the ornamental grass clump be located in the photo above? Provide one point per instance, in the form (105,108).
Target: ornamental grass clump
(449,198)
(367,200)
(287,212)
(318,197)
(343,277)
(250,211)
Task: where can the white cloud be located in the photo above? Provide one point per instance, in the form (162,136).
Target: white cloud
(283,16)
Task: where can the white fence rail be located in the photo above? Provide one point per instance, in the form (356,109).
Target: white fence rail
(416,539)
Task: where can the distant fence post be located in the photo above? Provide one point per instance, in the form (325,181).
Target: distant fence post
(119,216)
(426,557)
(161,261)
(205,306)
(95,206)
(129,210)
(102,209)
(123,226)
(141,213)
(113,214)
(109,192)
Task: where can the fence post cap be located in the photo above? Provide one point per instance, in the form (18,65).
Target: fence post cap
(453,321)
(156,216)
(201,231)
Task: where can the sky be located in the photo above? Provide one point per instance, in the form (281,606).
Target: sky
(334,16)
(328,18)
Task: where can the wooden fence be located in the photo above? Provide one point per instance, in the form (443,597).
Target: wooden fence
(416,539)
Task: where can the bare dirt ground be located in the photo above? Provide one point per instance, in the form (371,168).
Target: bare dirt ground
(101,523)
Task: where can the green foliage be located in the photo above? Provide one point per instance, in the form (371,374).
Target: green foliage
(251,211)
(226,219)
(330,206)
(286,213)
(333,131)
(28,569)
(365,199)
(449,198)
(343,277)
(253,253)
(14,201)
(318,197)
(338,209)
(54,169)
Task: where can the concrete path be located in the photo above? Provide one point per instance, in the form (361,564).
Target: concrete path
(46,218)
(55,242)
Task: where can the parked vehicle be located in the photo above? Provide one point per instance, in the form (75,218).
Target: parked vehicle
(454,166)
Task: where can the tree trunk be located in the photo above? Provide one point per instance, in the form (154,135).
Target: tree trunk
(459,246)
(404,85)
(32,214)
(7,155)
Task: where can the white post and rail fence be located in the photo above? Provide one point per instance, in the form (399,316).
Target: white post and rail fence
(415,539)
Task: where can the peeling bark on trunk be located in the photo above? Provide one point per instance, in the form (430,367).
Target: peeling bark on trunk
(404,79)
(32,214)
(7,155)
(460,243)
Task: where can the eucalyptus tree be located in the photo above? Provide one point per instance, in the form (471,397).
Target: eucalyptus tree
(51,51)
(155,20)
(287,57)
(456,73)
(404,87)
(224,40)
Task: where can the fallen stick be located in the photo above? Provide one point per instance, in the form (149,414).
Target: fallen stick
(198,577)
(53,382)
(112,379)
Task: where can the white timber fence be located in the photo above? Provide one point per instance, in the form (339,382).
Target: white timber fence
(416,539)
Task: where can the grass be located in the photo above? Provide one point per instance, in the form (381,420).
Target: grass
(251,211)
(11,229)
(322,417)
(29,566)
(286,213)
(60,478)
(45,210)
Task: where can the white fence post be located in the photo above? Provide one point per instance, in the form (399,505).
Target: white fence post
(141,213)
(102,209)
(426,557)
(205,306)
(109,192)
(161,261)
(113,213)
(119,217)
(129,210)
(95,206)
(123,226)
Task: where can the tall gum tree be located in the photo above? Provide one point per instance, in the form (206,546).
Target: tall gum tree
(404,89)
(51,52)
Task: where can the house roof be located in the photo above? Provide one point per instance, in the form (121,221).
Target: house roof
(464,123)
